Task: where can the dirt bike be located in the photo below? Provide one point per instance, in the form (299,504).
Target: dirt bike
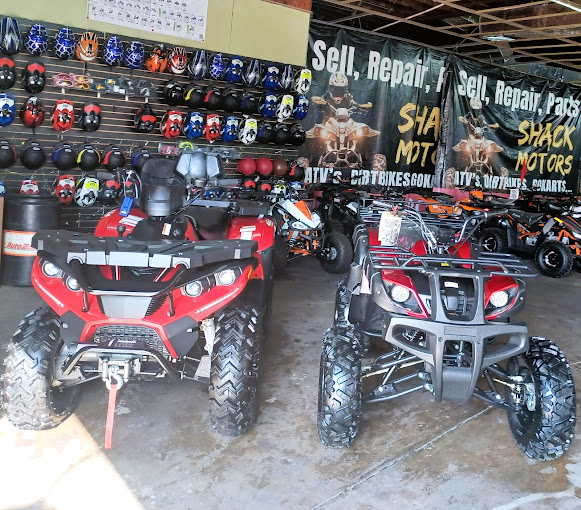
(444,309)
(177,289)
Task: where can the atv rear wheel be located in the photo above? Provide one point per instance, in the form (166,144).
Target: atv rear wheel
(279,254)
(234,371)
(545,431)
(554,259)
(339,408)
(337,253)
(32,399)
(492,240)
(334,226)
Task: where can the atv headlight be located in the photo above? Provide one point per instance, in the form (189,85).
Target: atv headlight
(50,270)
(72,284)
(298,225)
(499,299)
(226,277)
(194,289)
(399,293)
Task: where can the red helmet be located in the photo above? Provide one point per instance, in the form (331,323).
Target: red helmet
(264,166)
(178,60)
(246,166)
(213,127)
(266,187)
(171,124)
(32,112)
(249,184)
(29,187)
(65,189)
(63,115)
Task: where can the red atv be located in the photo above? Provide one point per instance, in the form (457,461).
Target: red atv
(445,311)
(177,289)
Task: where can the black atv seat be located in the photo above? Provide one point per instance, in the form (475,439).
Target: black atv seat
(211,223)
(501,202)
(529,218)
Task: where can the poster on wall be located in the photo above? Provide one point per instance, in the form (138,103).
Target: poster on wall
(179,18)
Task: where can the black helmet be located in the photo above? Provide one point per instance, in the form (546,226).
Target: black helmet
(231,100)
(265,133)
(33,78)
(8,155)
(144,120)
(249,103)
(173,93)
(109,192)
(138,158)
(88,158)
(113,158)
(296,171)
(7,73)
(282,134)
(32,155)
(213,99)
(90,118)
(194,96)
(297,134)
(64,156)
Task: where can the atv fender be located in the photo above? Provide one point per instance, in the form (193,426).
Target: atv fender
(261,230)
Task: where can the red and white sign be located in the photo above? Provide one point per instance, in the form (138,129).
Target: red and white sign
(18,244)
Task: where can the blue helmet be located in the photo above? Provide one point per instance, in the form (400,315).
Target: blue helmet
(134,55)
(218,66)
(64,44)
(113,51)
(198,66)
(271,77)
(10,38)
(194,125)
(268,104)
(252,74)
(302,107)
(7,109)
(235,69)
(230,129)
(37,40)
(287,78)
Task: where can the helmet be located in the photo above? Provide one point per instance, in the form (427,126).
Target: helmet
(198,66)
(33,79)
(138,158)
(8,155)
(90,118)
(264,166)
(271,77)
(88,158)
(173,93)
(113,158)
(265,187)
(63,115)
(217,67)
(303,80)
(265,133)
(171,124)
(279,167)
(109,192)
(32,112)
(194,96)
(65,189)
(285,108)
(32,155)
(64,44)
(302,107)
(281,134)
(64,156)
(7,74)
(131,184)
(144,120)
(249,103)
(87,47)
(178,60)
(252,74)
(249,184)
(194,125)
(279,188)
(268,104)
(234,71)
(248,130)
(296,172)
(7,109)
(213,99)
(286,79)
(156,61)
(10,38)
(338,84)
(134,55)
(230,129)
(29,187)
(113,51)
(37,40)
(231,100)
(246,166)
(213,127)
(297,134)
(87,191)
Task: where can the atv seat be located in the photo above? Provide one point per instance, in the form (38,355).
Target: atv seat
(528,218)
(211,223)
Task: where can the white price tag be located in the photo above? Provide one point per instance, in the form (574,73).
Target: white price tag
(389,226)
(514,193)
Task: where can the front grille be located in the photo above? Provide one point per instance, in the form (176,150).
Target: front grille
(129,337)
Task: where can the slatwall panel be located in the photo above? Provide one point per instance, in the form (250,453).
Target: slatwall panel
(117,114)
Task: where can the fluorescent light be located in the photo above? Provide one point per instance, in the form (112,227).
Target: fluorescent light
(575,7)
(496,38)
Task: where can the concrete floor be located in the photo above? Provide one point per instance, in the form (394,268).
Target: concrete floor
(411,453)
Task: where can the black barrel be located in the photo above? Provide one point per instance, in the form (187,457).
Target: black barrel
(24,215)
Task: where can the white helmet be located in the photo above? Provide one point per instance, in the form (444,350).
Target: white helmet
(303,80)
(285,107)
(248,131)
(87,191)
(338,84)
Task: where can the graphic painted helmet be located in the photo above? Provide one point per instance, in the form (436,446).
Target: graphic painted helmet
(194,125)
(230,129)
(218,66)
(286,80)
(37,40)
(7,73)
(8,154)
(64,156)
(198,66)
(285,107)
(249,103)
(248,130)
(302,107)
(156,61)
(7,109)
(10,38)
(297,134)
(213,127)
(252,74)
(235,69)
(271,77)
(296,171)
(171,124)
(32,155)
(113,51)
(173,93)
(265,133)
(87,191)
(32,112)
(63,115)
(231,101)
(29,187)
(109,192)
(268,104)
(213,99)
(178,60)
(281,134)
(338,84)
(65,189)
(90,118)
(194,96)
(113,158)
(303,80)
(88,158)
(134,55)
(64,44)
(33,78)
(144,121)
(87,47)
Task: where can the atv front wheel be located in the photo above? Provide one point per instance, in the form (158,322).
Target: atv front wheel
(341,304)
(339,408)
(234,371)
(337,253)
(492,240)
(32,399)
(543,423)
(554,259)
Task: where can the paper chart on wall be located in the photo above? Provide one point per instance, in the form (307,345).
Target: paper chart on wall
(179,18)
